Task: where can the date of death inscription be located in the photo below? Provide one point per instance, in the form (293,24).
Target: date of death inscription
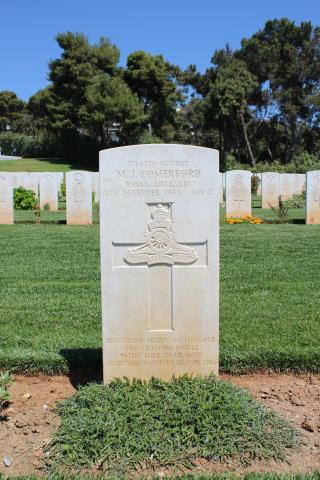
(160,351)
(140,179)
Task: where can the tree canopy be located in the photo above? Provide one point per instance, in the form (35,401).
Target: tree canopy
(259,105)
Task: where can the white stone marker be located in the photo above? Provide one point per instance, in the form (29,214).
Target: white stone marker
(159,235)
(79,198)
(298,183)
(270,189)
(95,186)
(220,187)
(6,199)
(49,191)
(238,193)
(286,186)
(313,198)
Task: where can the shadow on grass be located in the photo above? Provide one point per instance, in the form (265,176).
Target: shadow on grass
(84,365)
(69,163)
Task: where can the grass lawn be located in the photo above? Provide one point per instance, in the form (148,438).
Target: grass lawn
(37,165)
(50,317)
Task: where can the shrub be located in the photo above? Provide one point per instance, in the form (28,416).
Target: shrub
(255,182)
(5,382)
(24,199)
(281,211)
(245,219)
(18,144)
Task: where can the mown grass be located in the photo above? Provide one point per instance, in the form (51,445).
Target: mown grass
(122,426)
(35,165)
(50,317)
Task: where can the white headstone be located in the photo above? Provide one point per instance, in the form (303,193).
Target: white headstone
(313,198)
(49,190)
(95,186)
(6,199)
(159,230)
(286,186)
(221,187)
(79,198)
(270,189)
(298,183)
(238,193)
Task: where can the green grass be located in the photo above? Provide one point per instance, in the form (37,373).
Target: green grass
(50,317)
(37,165)
(122,425)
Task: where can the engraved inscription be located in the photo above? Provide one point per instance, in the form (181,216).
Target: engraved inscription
(161,247)
(161,351)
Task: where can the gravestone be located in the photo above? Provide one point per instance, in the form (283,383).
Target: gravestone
(298,183)
(95,186)
(49,190)
(270,189)
(79,198)
(159,230)
(220,187)
(238,193)
(313,198)
(286,186)
(6,199)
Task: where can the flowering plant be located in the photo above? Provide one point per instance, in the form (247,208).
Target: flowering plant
(245,219)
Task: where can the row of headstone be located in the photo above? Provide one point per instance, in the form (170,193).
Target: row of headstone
(235,185)
(46,185)
(289,184)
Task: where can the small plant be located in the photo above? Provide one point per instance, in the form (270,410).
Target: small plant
(24,199)
(37,213)
(46,206)
(5,382)
(255,182)
(297,202)
(281,211)
(245,219)
(63,190)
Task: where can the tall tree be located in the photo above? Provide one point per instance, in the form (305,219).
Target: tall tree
(11,111)
(230,95)
(111,113)
(155,82)
(286,59)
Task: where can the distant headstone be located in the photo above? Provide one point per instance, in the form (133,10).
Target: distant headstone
(95,186)
(238,193)
(6,199)
(286,186)
(49,191)
(79,198)
(270,189)
(298,183)
(159,231)
(220,187)
(32,182)
(313,198)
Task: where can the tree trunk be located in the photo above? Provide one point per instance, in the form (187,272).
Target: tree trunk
(244,128)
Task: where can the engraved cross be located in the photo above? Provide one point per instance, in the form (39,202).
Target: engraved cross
(160,254)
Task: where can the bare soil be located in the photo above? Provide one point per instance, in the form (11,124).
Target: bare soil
(28,421)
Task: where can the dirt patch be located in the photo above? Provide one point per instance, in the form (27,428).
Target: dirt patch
(28,422)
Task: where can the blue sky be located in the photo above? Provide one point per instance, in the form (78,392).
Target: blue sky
(183,31)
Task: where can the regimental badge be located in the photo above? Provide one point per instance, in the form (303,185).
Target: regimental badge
(161,248)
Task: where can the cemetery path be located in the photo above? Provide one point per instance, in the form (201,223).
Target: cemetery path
(27,423)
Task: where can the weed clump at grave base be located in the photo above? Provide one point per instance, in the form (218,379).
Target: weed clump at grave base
(123,425)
